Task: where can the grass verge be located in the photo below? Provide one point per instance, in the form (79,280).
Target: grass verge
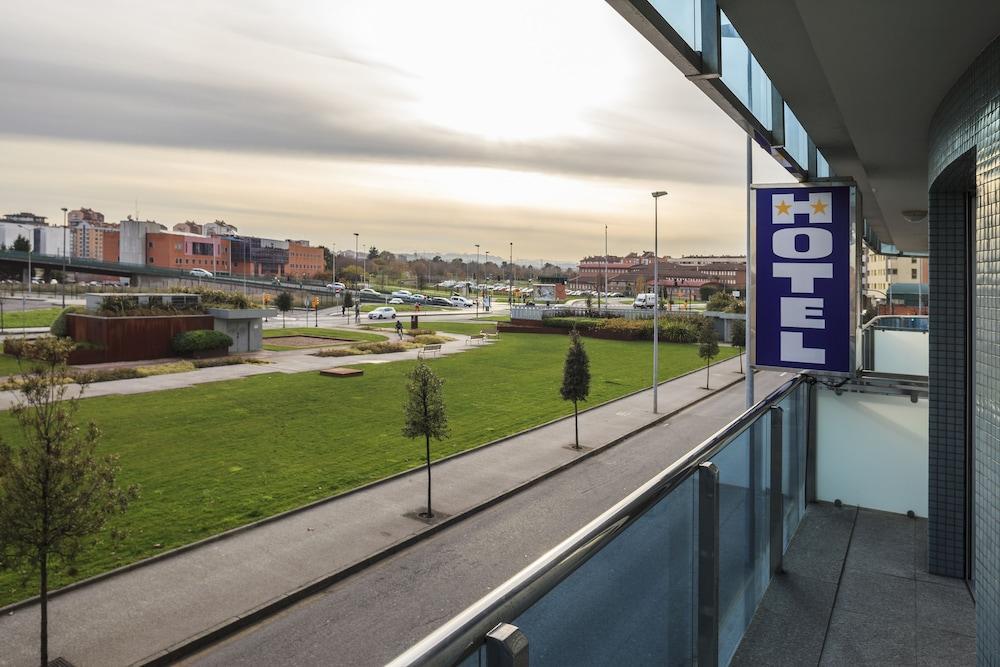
(215,456)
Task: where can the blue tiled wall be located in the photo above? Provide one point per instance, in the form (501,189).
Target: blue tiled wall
(967,126)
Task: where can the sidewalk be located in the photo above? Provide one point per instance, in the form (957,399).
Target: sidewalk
(137,614)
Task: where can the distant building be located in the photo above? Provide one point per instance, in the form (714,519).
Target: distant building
(177,250)
(189,227)
(218,228)
(84,215)
(304,260)
(702,260)
(132,240)
(88,228)
(731,275)
(675,281)
(24,218)
(595,265)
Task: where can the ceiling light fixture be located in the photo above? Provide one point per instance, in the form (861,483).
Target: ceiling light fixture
(915,214)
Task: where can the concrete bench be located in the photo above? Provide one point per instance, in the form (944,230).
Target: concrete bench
(475,338)
(433,347)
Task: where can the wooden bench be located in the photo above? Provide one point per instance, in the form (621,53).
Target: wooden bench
(490,335)
(475,338)
(433,347)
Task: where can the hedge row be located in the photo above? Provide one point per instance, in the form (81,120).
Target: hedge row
(200,340)
(672,329)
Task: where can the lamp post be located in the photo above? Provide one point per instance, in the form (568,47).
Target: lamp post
(605,267)
(510,279)
(63,281)
(656,295)
(355,260)
(333,259)
(475,276)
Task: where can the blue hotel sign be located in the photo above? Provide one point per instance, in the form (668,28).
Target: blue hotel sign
(804,277)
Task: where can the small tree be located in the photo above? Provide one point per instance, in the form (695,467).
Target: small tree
(739,338)
(284,303)
(720,302)
(21,244)
(424,414)
(708,345)
(348,299)
(55,491)
(576,379)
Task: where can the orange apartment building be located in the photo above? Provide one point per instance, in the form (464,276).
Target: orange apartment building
(304,260)
(176,250)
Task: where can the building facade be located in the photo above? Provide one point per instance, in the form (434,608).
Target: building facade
(24,218)
(176,250)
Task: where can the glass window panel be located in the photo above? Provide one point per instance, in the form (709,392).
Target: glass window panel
(744,471)
(684,16)
(743,75)
(822,166)
(632,603)
(796,142)
(793,450)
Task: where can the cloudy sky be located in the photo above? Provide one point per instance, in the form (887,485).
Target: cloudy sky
(423,126)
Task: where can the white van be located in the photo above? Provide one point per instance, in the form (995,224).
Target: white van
(644,300)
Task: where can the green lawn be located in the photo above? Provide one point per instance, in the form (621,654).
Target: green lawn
(343,334)
(8,365)
(40,317)
(219,455)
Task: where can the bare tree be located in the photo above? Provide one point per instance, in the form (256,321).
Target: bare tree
(55,491)
(425,414)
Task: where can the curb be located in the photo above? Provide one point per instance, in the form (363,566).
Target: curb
(212,635)
(180,550)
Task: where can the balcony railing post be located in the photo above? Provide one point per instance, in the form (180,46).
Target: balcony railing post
(777,510)
(506,646)
(811,397)
(708,565)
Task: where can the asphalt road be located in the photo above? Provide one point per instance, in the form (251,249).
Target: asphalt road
(373,616)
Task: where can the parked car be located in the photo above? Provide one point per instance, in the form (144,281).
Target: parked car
(644,300)
(438,301)
(461,301)
(383,313)
(200,273)
(369,290)
(396,301)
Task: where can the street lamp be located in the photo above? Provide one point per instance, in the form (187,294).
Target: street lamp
(656,295)
(64,209)
(476,278)
(355,260)
(510,279)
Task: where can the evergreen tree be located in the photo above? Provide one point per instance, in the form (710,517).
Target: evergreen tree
(739,338)
(576,379)
(424,415)
(708,345)
(21,244)
(55,491)
(284,303)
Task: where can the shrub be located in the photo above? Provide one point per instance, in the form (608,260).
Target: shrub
(226,361)
(419,332)
(382,347)
(214,298)
(678,332)
(200,340)
(105,375)
(58,328)
(165,369)
(335,352)
(430,339)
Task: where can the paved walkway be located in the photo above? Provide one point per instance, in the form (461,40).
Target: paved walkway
(135,615)
(294,361)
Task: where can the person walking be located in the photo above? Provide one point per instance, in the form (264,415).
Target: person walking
(399,329)
(357,313)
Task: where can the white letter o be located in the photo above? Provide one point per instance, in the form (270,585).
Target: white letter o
(820,243)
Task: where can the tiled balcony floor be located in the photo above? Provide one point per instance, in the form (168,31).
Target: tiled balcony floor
(856,592)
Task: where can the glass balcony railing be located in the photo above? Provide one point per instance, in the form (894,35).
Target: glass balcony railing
(671,574)
(684,16)
(743,75)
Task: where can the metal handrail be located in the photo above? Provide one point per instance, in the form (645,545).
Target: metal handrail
(463,634)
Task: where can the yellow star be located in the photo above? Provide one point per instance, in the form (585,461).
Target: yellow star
(783,207)
(818,206)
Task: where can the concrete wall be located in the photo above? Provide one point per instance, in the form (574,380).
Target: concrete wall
(132,240)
